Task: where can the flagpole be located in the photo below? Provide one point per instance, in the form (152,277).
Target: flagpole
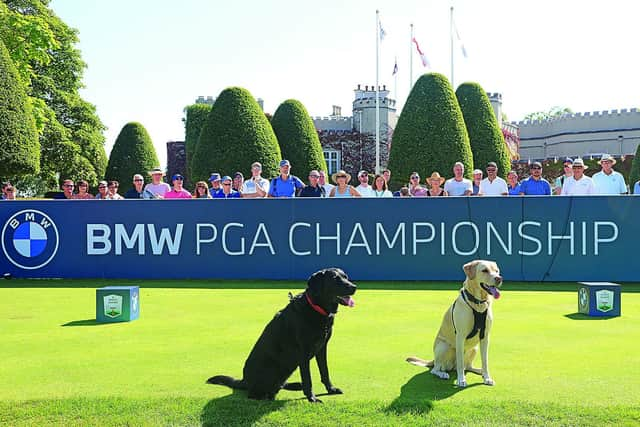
(451,37)
(395,80)
(377,92)
(411,60)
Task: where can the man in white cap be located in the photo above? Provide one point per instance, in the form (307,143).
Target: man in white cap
(608,181)
(156,186)
(579,184)
(364,188)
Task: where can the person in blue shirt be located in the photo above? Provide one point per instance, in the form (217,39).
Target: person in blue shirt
(226,191)
(285,184)
(512,183)
(535,185)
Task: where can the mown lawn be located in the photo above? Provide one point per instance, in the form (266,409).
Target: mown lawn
(551,366)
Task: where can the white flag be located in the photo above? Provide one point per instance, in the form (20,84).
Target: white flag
(383,33)
(464,51)
(423,57)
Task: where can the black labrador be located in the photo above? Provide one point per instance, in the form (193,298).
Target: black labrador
(294,336)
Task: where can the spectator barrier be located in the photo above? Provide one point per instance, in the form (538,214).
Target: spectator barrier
(588,238)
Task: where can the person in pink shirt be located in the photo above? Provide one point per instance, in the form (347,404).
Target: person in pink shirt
(177,192)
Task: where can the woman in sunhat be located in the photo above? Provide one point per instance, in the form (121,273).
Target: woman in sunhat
(435,182)
(342,188)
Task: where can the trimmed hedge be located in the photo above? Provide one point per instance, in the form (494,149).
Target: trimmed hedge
(236,134)
(298,138)
(19,144)
(430,134)
(132,153)
(487,141)
(195,118)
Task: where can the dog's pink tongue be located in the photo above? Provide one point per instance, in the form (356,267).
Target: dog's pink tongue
(494,291)
(349,301)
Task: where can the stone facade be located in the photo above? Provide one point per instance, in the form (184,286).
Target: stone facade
(586,135)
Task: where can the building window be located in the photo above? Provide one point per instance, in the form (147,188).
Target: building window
(332,158)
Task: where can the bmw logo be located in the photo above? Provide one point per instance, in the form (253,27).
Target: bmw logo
(30,239)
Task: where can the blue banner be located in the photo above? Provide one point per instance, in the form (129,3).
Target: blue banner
(589,238)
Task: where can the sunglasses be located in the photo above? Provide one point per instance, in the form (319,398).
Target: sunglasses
(102,186)
(341,176)
(138,180)
(314,176)
(226,183)
(68,185)
(536,167)
(567,166)
(178,179)
(578,167)
(415,177)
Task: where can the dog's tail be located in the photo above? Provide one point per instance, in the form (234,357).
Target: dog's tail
(228,381)
(292,386)
(419,362)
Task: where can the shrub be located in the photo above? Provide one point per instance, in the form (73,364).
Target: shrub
(132,153)
(487,141)
(298,138)
(235,134)
(634,175)
(19,144)
(430,134)
(195,118)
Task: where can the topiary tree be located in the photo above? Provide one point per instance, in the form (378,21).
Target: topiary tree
(634,174)
(19,144)
(195,118)
(236,134)
(298,138)
(430,134)
(487,141)
(132,153)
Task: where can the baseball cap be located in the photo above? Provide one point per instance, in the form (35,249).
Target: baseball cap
(362,172)
(226,178)
(238,174)
(284,163)
(177,176)
(214,177)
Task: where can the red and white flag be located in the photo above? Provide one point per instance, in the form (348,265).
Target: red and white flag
(423,57)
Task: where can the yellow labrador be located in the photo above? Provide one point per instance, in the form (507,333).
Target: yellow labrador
(466,324)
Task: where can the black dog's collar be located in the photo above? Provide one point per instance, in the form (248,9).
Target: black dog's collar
(467,296)
(315,307)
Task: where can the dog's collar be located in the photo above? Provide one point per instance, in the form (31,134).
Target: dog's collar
(467,295)
(315,307)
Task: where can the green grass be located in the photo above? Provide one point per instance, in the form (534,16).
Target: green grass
(551,366)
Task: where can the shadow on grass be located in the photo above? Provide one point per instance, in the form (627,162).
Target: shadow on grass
(237,410)
(86,322)
(582,316)
(419,393)
(287,284)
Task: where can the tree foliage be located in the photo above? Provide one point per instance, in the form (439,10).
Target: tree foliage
(236,134)
(132,153)
(553,112)
(485,136)
(195,118)
(19,145)
(50,66)
(634,175)
(298,138)
(430,134)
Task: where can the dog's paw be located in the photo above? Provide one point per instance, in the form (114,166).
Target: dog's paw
(334,390)
(489,381)
(461,383)
(440,374)
(313,399)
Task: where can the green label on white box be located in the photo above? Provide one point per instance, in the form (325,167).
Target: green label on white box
(112,305)
(604,300)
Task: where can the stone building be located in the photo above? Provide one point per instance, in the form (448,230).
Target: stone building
(586,135)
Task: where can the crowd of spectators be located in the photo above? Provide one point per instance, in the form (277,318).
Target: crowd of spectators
(572,182)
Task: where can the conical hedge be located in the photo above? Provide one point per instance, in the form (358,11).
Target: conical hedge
(487,141)
(298,138)
(195,118)
(236,134)
(132,153)
(19,144)
(430,134)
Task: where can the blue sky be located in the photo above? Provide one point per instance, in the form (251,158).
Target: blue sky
(148,59)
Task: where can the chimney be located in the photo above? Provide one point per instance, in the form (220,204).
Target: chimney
(337,111)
